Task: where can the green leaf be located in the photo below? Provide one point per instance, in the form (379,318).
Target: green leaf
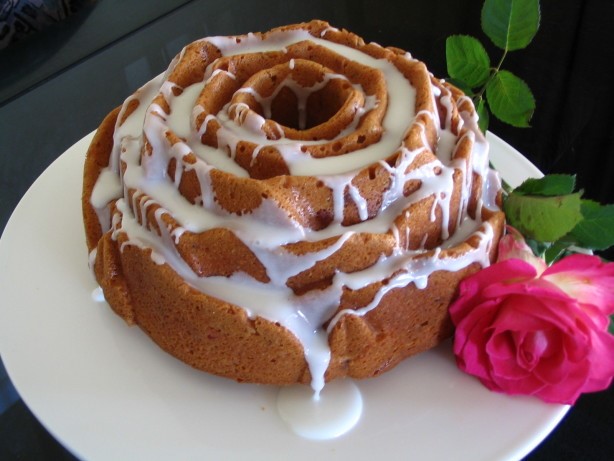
(556,251)
(548,186)
(545,219)
(483,115)
(510,99)
(510,24)
(596,230)
(539,249)
(611,326)
(467,60)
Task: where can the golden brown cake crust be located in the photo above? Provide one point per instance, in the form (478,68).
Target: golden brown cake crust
(219,337)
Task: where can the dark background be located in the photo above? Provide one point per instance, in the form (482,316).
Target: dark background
(57,84)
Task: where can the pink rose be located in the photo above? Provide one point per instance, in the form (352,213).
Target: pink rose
(522,328)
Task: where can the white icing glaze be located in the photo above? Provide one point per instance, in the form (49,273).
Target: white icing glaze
(98,295)
(333,413)
(265,229)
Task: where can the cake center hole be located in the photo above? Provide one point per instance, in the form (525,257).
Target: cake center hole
(299,95)
(302,108)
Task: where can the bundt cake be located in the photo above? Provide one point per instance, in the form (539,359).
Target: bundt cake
(291,206)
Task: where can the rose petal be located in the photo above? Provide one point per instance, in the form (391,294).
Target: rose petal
(470,334)
(553,364)
(535,311)
(503,360)
(602,359)
(531,347)
(513,246)
(508,271)
(532,288)
(585,278)
(527,385)
(567,390)
(472,289)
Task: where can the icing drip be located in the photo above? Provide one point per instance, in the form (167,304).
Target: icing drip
(98,295)
(163,129)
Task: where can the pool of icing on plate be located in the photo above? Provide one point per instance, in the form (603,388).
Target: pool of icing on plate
(332,413)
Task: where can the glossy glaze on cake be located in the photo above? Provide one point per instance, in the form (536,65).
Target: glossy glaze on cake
(293,206)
